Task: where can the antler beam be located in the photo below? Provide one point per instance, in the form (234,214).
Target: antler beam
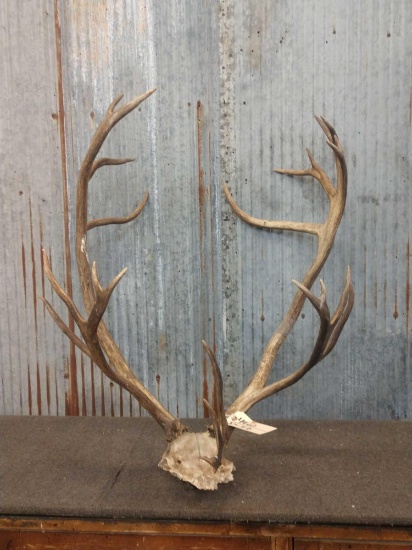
(325,233)
(98,342)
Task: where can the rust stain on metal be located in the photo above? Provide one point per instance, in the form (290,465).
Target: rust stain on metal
(38,390)
(158,385)
(43,284)
(262,318)
(197,405)
(34,282)
(84,405)
(162,342)
(396,312)
(408,286)
(72,398)
(93,388)
(201,176)
(48,399)
(205,388)
(203,192)
(142,18)
(262,307)
(111,399)
(33,270)
(102,394)
(56,389)
(29,391)
(212,254)
(23,264)
(215,403)
(121,401)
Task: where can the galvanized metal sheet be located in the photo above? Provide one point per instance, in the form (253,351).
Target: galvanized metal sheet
(33,355)
(238,84)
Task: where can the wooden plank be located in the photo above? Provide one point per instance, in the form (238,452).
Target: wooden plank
(308,532)
(282,543)
(347,545)
(21,540)
(85,541)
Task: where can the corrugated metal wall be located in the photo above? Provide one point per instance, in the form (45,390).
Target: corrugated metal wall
(238,84)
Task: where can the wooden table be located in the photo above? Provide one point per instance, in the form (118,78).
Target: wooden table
(83,483)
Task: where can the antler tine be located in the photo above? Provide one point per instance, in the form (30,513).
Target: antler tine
(325,342)
(326,234)
(319,304)
(64,328)
(327,128)
(341,315)
(107,161)
(93,349)
(347,293)
(111,118)
(217,414)
(102,297)
(113,104)
(110,221)
(58,289)
(334,143)
(313,228)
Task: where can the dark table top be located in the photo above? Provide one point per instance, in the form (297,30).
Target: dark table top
(323,472)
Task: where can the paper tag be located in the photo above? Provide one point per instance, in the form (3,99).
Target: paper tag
(241,420)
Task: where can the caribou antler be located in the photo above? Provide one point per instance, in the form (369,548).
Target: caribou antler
(98,343)
(198,458)
(330,329)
